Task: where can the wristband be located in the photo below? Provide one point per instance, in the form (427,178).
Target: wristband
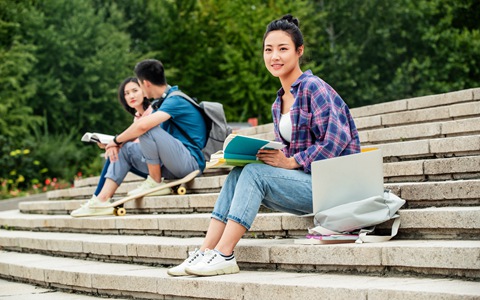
(115,141)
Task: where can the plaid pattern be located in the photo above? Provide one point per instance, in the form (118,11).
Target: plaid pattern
(322,124)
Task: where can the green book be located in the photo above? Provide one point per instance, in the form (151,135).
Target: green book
(239,150)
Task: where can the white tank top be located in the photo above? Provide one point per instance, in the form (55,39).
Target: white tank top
(285,127)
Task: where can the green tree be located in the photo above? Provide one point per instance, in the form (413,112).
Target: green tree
(17,60)
(82,55)
(385,50)
(214,49)
(443,54)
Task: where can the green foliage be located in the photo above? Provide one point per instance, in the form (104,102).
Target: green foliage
(215,47)
(250,89)
(17,60)
(45,160)
(83,54)
(386,50)
(60,153)
(20,168)
(447,49)
(62,61)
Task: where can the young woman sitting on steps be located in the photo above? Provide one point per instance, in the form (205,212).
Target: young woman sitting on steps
(120,160)
(311,119)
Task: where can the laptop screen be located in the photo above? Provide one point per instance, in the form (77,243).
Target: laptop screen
(345,179)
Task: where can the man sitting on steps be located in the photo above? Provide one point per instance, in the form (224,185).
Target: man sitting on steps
(168,153)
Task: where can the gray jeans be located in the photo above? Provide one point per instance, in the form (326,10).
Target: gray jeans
(129,156)
(161,148)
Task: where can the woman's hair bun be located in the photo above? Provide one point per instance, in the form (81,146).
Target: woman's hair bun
(290,19)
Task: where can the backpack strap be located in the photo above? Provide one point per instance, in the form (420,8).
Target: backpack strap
(185,96)
(194,103)
(364,238)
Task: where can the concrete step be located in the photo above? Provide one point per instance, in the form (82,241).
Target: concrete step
(417,195)
(200,185)
(439,169)
(419,116)
(421,131)
(438,193)
(412,104)
(145,282)
(10,290)
(9,204)
(93,180)
(454,259)
(193,203)
(431,148)
(426,223)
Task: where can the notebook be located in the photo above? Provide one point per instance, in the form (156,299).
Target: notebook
(345,179)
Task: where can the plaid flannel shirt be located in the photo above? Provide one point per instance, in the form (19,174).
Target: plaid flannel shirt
(322,126)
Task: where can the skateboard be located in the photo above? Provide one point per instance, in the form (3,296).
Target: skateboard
(119,210)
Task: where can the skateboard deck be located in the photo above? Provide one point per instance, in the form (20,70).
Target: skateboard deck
(118,205)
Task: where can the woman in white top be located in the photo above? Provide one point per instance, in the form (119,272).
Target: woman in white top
(314,123)
(120,161)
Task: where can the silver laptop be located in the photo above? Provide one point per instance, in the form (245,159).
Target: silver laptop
(345,179)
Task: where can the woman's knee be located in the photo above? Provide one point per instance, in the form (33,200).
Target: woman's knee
(258,168)
(256,172)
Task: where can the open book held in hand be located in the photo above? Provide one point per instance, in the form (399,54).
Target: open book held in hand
(239,150)
(97,138)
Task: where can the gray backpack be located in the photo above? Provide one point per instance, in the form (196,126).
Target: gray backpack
(217,127)
(360,217)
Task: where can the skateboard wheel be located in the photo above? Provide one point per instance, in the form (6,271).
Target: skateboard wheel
(181,190)
(121,211)
(115,212)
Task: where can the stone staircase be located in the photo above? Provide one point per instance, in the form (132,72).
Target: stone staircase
(431,149)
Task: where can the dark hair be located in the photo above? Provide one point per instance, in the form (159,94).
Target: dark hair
(123,101)
(289,24)
(151,70)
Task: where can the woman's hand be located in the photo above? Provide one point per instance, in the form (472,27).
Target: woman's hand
(110,145)
(112,153)
(277,158)
(101,146)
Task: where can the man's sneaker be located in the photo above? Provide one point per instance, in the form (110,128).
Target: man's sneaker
(85,210)
(149,184)
(194,257)
(213,263)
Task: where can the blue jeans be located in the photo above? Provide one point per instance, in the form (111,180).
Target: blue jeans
(129,160)
(276,188)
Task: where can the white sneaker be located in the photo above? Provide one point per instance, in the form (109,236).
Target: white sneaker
(149,184)
(86,211)
(194,257)
(213,264)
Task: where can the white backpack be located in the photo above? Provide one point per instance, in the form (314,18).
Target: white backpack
(360,217)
